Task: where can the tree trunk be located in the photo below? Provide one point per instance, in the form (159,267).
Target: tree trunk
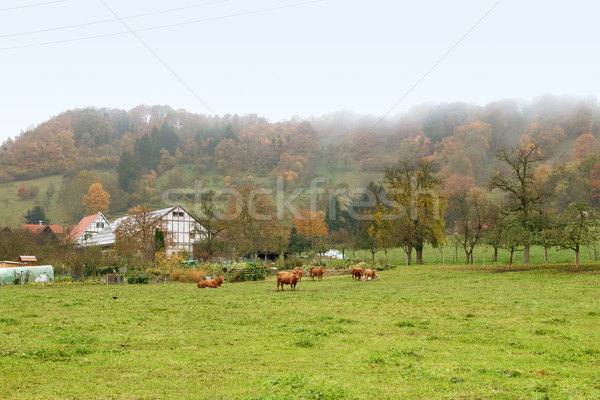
(373,251)
(408,255)
(419,251)
(526,255)
(577,256)
(471,256)
(467,256)
(511,257)
(495,256)
(545,254)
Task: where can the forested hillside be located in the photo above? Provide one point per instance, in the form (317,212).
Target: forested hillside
(135,155)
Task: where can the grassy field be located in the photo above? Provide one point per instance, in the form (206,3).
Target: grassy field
(418,332)
(482,256)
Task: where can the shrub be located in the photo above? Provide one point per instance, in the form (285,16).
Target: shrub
(252,272)
(63,279)
(143,279)
(338,264)
(187,275)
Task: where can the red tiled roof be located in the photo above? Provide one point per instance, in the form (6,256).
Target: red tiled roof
(39,228)
(82,226)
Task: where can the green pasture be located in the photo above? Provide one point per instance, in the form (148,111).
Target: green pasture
(419,332)
(450,255)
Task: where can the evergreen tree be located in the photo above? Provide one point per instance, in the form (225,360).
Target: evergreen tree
(159,240)
(35,215)
(129,172)
(297,242)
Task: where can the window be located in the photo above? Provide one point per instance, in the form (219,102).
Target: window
(177,214)
(99,224)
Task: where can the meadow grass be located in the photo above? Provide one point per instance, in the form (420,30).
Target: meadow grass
(418,332)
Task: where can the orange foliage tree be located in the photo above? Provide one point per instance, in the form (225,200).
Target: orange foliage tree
(23,192)
(595,182)
(584,145)
(311,224)
(96,199)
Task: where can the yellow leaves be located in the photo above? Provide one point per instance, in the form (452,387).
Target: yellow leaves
(96,200)
(310,223)
(168,262)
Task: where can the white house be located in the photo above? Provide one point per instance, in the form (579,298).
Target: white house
(181,229)
(88,227)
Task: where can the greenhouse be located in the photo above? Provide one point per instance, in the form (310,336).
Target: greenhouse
(26,274)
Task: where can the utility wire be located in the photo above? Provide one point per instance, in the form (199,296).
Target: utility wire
(240,14)
(32,5)
(59,28)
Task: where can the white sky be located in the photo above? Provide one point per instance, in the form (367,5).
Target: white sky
(306,60)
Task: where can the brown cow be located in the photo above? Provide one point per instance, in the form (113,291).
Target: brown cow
(298,271)
(370,274)
(286,278)
(357,273)
(317,271)
(211,283)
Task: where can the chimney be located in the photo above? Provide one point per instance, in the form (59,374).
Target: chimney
(40,223)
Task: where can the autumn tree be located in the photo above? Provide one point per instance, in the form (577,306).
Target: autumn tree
(251,222)
(584,145)
(136,232)
(512,235)
(23,192)
(595,182)
(524,190)
(311,224)
(577,226)
(474,214)
(96,200)
(208,212)
(418,205)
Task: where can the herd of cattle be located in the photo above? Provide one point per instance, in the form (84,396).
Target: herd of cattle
(293,277)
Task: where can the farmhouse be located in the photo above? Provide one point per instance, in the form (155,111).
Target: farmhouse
(88,227)
(181,229)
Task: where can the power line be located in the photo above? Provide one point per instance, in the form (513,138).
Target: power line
(263,10)
(59,28)
(32,5)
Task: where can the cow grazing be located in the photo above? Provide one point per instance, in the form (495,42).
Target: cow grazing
(370,274)
(318,272)
(298,271)
(211,283)
(357,273)
(287,278)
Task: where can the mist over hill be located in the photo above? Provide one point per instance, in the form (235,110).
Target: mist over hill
(136,154)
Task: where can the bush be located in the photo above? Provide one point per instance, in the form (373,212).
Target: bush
(106,271)
(252,272)
(143,279)
(288,263)
(338,264)
(63,279)
(187,275)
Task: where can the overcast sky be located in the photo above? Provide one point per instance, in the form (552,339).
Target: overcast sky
(308,59)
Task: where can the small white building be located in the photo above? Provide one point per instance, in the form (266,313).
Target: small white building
(88,227)
(180,228)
